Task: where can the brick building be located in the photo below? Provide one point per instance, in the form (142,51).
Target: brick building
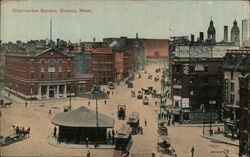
(237,62)
(123,56)
(244,150)
(102,63)
(40,74)
(196,82)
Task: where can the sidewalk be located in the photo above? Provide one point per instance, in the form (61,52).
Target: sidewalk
(195,125)
(53,141)
(221,138)
(19,100)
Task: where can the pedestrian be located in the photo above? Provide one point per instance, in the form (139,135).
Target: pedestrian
(9,94)
(105,102)
(88,154)
(89,103)
(145,123)
(192,151)
(155,103)
(87,142)
(109,135)
(49,112)
(113,136)
(26,104)
(141,130)
(55,129)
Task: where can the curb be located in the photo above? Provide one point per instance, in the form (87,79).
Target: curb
(210,138)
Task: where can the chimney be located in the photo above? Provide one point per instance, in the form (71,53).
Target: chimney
(201,37)
(136,35)
(192,38)
(57,42)
(226,33)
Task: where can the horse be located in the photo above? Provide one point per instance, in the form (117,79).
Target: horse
(8,104)
(26,132)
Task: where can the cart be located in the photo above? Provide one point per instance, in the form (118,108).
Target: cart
(121,111)
(134,122)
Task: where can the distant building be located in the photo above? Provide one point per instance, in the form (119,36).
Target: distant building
(102,63)
(235,33)
(156,48)
(137,47)
(41,74)
(244,128)
(123,57)
(245,32)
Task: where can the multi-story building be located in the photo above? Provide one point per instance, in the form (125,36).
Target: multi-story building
(244,150)
(196,82)
(236,63)
(245,32)
(39,74)
(137,46)
(123,57)
(102,63)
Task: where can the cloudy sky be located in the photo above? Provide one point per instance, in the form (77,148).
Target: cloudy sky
(113,18)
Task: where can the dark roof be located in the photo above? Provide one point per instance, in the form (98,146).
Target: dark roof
(82,117)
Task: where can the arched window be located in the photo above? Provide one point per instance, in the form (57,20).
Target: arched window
(51,64)
(42,65)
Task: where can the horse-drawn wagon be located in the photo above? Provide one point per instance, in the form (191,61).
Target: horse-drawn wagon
(20,134)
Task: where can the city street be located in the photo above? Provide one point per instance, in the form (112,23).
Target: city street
(36,116)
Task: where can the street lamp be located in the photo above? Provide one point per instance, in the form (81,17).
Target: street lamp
(203,111)
(69,83)
(97,124)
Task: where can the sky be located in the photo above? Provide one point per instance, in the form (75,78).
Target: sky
(113,18)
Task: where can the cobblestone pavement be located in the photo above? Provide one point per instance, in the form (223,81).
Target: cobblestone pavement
(36,116)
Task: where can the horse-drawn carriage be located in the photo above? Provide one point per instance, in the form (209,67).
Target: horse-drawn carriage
(121,111)
(145,100)
(164,147)
(5,103)
(156,79)
(162,128)
(150,76)
(133,121)
(20,134)
(130,84)
(139,95)
(147,91)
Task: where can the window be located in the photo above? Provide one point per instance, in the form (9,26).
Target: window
(232,86)
(206,68)
(61,89)
(232,98)
(60,75)
(60,65)
(51,64)
(178,68)
(68,74)
(42,75)
(42,65)
(81,87)
(219,68)
(32,75)
(51,75)
(32,63)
